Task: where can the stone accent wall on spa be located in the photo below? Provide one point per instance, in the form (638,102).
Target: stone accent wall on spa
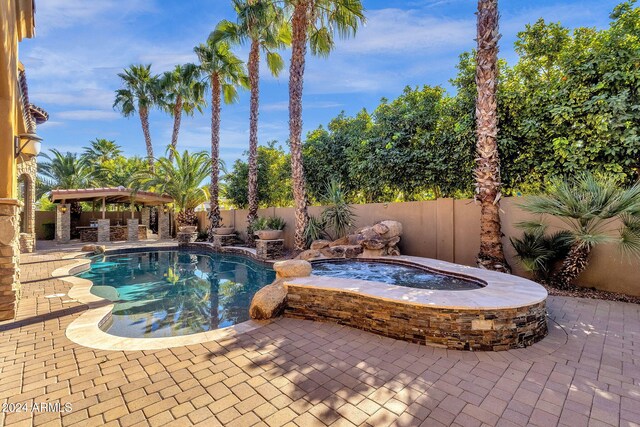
(456,329)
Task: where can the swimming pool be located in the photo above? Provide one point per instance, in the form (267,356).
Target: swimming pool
(175,293)
(393,274)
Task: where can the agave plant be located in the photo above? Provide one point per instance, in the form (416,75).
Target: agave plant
(338,215)
(595,210)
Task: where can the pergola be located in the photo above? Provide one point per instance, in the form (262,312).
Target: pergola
(112,195)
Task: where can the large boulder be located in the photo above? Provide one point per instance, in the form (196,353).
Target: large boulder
(394,228)
(340,242)
(88,248)
(320,244)
(292,268)
(268,302)
(309,254)
(343,251)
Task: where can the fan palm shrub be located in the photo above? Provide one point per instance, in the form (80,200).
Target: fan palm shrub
(538,253)
(594,210)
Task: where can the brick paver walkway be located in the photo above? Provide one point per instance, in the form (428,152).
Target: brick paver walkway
(301,373)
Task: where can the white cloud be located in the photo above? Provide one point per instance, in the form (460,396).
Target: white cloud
(87,115)
(399,32)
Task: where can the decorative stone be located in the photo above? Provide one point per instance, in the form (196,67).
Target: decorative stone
(340,242)
(320,244)
(100,249)
(184,238)
(292,268)
(88,248)
(145,216)
(9,261)
(343,251)
(394,228)
(164,230)
(268,302)
(269,249)
(380,228)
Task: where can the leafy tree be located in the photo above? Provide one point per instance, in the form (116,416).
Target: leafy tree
(262,24)
(274,179)
(313,22)
(589,206)
(182,91)
(120,171)
(140,92)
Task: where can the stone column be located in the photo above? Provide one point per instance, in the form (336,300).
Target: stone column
(145,214)
(104,230)
(63,223)
(9,257)
(164,232)
(132,230)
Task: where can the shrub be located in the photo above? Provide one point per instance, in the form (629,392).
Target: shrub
(314,230)
(338,215)
(49,230)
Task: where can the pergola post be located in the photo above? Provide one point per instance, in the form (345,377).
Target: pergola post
(63,223)
(164,232)
(104,207)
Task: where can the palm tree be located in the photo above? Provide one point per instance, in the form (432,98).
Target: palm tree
(139,93)
(595,210)
(487,172)
(226,71)
(312,22)
(182,91)
(101,150)
(262,24)
(64,171)
(181,179)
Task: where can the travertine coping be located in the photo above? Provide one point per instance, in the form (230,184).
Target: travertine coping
(500,291)
(85,330)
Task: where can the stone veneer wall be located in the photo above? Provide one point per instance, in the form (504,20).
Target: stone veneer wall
(28,170)
(9,257)
(132,230)
(164,230)
(269,249)
(63,224)
(457,329)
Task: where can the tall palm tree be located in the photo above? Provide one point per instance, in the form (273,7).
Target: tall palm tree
(182,91)
(181,179)
(313,22)
(262,24)
(226,72)
(594,210)
(139,93)
(487,172)
(101,150)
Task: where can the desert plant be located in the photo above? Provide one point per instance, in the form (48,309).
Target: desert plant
(314,230)
(338,215)
(595,210)
(537,252)
(276,223)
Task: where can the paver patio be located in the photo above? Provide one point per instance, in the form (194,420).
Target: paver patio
(300,373)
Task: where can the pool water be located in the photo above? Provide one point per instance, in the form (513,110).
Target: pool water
(173,293)
(393,274)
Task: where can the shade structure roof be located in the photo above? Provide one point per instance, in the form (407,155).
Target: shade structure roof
(111,195)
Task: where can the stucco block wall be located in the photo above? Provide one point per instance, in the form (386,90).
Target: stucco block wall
(449,230)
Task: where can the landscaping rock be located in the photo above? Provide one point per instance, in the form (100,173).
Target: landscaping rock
(395,228)
(88,248)
(292,268)
(100,249)
(268,302)
(309,254)
(340,242)
(320,244)
(380,228)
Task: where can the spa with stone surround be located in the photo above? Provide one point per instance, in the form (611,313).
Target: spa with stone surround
(501,313)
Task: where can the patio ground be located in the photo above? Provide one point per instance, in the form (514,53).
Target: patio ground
(299,373)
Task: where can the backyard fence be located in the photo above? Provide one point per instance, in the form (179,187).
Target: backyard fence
(449,230)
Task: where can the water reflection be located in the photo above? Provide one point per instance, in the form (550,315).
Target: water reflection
(161,294)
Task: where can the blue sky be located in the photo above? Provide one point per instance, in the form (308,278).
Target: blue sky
(81,45)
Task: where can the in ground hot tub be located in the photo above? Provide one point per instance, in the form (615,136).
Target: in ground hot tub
(432,302)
